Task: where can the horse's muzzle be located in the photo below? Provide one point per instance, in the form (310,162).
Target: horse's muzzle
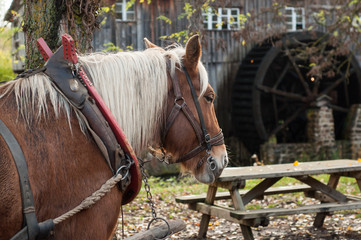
(215,167)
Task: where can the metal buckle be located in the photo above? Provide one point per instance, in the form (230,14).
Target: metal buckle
(207,138)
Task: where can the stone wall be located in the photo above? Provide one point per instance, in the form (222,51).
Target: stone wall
(272,153)
(321,143)
(320,128)
(304,152)
(353,130)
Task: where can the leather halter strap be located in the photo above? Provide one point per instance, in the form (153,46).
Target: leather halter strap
(32,229)
(205,141)
(26,194)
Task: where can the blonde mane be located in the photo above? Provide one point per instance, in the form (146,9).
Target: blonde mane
(134,85)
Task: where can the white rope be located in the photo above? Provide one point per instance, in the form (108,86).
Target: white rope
(91,200)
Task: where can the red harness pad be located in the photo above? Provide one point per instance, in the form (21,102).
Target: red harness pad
(134,187)
(44,49)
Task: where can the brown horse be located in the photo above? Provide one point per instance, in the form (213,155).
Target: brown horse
(65,165)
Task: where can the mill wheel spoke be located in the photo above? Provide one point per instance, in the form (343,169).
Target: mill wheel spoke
(282,75)
(282,93)
(333,85)
(288,120)
(347,98)
(275,109)
(338,108)
(299,74)
(315,88)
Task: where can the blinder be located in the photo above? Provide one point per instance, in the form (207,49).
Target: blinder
(205,140)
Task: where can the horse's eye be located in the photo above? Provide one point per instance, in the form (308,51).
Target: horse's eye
(209,98)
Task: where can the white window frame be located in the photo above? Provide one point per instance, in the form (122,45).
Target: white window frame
(292,25)
(124,11)
(356,23)
(232,19)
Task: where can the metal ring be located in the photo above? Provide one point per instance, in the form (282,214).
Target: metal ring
(177,99)
(162,219)
(126,173)
(125,176)
(119,169)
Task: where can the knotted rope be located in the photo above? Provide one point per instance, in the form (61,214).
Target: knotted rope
(91,200)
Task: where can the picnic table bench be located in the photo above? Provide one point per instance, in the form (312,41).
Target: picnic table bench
(234,178)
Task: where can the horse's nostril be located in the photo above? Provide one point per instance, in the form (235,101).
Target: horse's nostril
(212,163)
(213,166)
(225,161)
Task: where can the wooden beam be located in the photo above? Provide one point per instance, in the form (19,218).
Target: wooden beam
(203,227)
(159,232)
(240,205)
(224,212)
(316,208)
(319,186)
(259,189)
(239,184)
(226,195)
(332,183)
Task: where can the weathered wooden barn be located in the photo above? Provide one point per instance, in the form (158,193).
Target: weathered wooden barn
(263,97)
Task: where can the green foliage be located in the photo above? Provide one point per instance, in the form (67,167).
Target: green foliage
(242,19)
(130,4)
(168,188)
(6,72)
(164,18)
(188,11)
(178,36)
(111,47)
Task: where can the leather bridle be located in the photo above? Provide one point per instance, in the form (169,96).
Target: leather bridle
(205,140)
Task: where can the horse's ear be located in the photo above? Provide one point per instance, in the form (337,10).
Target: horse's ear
(148,44)
(193,51)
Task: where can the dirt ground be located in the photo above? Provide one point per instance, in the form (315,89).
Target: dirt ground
(341,225)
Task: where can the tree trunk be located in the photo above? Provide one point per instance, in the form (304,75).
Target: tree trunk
(41,19)
(48,18)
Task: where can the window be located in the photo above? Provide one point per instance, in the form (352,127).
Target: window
(224,19)
(123,11)
(356,24)
(295,18)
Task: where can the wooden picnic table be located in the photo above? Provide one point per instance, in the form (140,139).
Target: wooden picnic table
(234,178)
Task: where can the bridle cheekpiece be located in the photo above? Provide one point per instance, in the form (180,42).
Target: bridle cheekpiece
(205,140)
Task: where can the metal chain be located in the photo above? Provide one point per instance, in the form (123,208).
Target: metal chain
(151,203)
(147,188)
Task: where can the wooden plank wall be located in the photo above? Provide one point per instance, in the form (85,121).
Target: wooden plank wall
(147,24)
(104,35)
(222,57)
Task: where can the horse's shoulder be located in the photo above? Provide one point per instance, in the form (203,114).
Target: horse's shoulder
(10,200)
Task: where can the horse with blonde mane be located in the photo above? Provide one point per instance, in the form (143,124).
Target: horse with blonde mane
(65,165)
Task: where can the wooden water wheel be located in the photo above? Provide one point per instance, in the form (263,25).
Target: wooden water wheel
(272,93)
